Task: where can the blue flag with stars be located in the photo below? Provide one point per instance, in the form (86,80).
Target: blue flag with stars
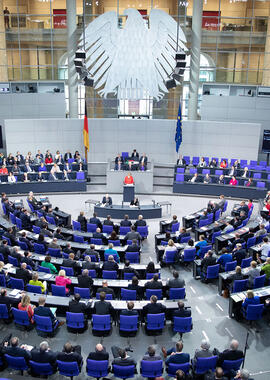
(178,132)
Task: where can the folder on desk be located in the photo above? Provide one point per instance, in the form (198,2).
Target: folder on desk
(47,276)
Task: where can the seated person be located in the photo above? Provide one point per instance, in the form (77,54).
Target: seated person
(233,353)
(99,354)
(82,220)
(62,280)
(252,273)
(95,220)
(264,250)
(135,286)
(118,162)
(150,355)
(134,202)
(135,155)
(201,243)
(233,181)
(35,281)
(110,252)
(140,222)
(143,162)
(47,264)
(221,180)
(153,307)
(11,178)
(223,164)
(134,247)
(71,354)
(129,180)
(103,307)
(202,163)
(121,358)
(224,258)
(44,355)
(25,305)
(245,173)
(108,222)
(181,161)
(15,350)
(213,163)
(129,311)
(183,233)
(154,283)
(105,289)
(238,253)
(128,269)
(207,261)
(84,280)
(204,352)
(106,201)
(207,179)
(194,178)
(175,354)
(44,311)
(182,311)
(113,236)
(126,222)
(111,264)
(249,183)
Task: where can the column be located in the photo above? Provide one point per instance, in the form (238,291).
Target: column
(196,38)
(72,47)
(266,65)
(3,50)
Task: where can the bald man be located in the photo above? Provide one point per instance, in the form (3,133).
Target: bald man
(99,353)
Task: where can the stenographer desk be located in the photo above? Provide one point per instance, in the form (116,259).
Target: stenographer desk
(43,187)
(119,211)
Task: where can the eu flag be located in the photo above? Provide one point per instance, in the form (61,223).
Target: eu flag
(178,132)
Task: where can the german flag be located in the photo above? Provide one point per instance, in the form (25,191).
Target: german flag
(85,130)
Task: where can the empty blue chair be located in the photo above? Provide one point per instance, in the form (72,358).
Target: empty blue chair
(23,245)
(206,171)
(239,286)
(180,170)
(133,257)
(229,365)
(109,274)
(75,321)
(153,292)
(230,266)
(143,231)
(16,283)
(78,239)
(97,368)
(40,369)
(69,271)
(151,369)
(34,289)
(175,227)
(212,272)
(123,372)
(185,239)
(43,269)
(92,273)
(80,176)
(13,261)
(130,242)
(182,325)
(259,281)
(203,222)
(16,362)
(54,252)
(155,322)
(71,160)
(217,214)
(124,230)
(170,257)
(179,177)
(189,255)
(50,220)
(68,369)
(149,276)
(250,242)
(125,155)
(107,229)
(177,293)
(39,214)
(44,324)
(128,295)
(187,159)
(58,290)
(128,276)
(4,312)
(2,279)
(253,312)
(101,323)
(260,185)
(205,364)
(83,292)
(91,227)
(36,229)
(195,160)
(76,225)
(19,223)
(20,317)
(12,218)
(257,175)
(215,234)
(192,171)
(39,248)
(246,262)
(172,368)
(218,172)
(96,241)
(128,323)
(116,243)
(107,298)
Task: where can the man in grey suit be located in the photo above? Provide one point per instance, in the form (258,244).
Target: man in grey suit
(176,282)
(204,352)
(133,235)
(150,355)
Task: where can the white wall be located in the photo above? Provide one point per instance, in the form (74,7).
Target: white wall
(155,137)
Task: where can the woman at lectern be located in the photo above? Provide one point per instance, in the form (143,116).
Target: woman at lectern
(129,180)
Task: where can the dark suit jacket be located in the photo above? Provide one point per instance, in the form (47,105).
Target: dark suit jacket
(77,307)
(72,357)
(145,160)
(183,162)
(98,355)
(27,242)
(184,313)
(108,223)
(70,263)
(110,265)
(11,238)
(95,221)
(206,262)
(109,200)
(178,358)
(140,223)
(85,282)
(153,285)
(17,352)
(44,311)
(26,223)
(154,308)
(229,355)
(239,256)
(44,357)
(176,283)
(5,251)
(88,265)
(133,248)
(106,290)
(124,362)
(5,300)
(28,261)
(125,223)
(135,155)
(129,312)
(82,220)
(103,308)
(24,274)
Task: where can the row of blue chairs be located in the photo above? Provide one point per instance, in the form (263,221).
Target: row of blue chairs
(243,163)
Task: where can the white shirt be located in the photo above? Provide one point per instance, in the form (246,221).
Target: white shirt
(11,179)
(264,251)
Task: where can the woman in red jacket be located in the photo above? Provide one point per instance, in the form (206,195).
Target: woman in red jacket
(26,306)
(62,280)
(233,181)
(129,179)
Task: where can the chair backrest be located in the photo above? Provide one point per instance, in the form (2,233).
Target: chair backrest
(101,322)
(16,362)
(128,295)
(204,250)
(215,234)
(107,229)
(96,241)
(179,177)
(69,271)
(39,214)
(68,369)
(39,248)
(175,227)
(128,323)
(54,252)
(164,243)
(16,283)
(19,223)
(257,175)
(212,271)
(251,241)
(187,159)
(20,317)
(260,184)
(246,262)
(76,225)
(13,261)
(125,154)
(124,230)
(78,239)
(23,245)
(75,320)
(218,172)
(92,273)
(195,160)
(170,257)
(185,239)
(133,257)
(254,312)
(206,171)
(4,312)
(155,292)
(149,276)
(43,324)
(116,243)
(203,222)
(50,219)
(259,281)
(109,274)
(180,170)
(239,285)
(83,292)
(36,230)
(58,290)
(91,227)
(182,325)
(155,321)
(128,276)
(43,269)
(225,206)
(151,369)
(189,255)
(192,171)
(41,369)
(80,176)
(172,368)
(205,364)
(230,266)
(143,231)
(217,214)
(228,365)
(12,218)
(107,298)
(124,372)
(97,368)
(177,293)
(34,289)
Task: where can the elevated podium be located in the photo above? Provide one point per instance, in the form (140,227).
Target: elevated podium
(128,193)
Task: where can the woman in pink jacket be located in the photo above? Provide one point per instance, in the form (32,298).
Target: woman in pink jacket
(62,280)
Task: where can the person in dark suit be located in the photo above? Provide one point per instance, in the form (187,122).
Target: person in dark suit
(150,355)
(107,201)
(4,249)
(121,358)
(175,354)
(43,311)
(128,269)
(71,263)
(92,251)
(95,220)
(135,155)
(82,220)
(176,282)
(244,207)
(182,311)
(25,218)
(143,161)
(8,301)
(15,350)
(103,307)
(99,235)
(99,353)
(15,253)
(105,289)
(125,222)
(71,354)
(133,235)
(41,241)
(154,283)
(108,221)
(23,273)
(134,286)
(153,307)
(10,233)
(133,247)
(27,260)
(87,263)
(203,352)
(118,162)
(129,311)
(57,234)
(181,161)
(24,239)
(84,280)
(67,156)
(110,265)
(233,353)
(75,306)
(140,222)
(207,261)
(239,254)
(44,355)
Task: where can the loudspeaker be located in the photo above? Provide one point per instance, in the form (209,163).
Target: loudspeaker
(180,57)
(181,64)
(80,54)
(170,83)
(88,82)
(78,62)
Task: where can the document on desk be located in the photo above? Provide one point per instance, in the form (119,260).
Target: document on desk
(8,266)
(15,293)
(47,276)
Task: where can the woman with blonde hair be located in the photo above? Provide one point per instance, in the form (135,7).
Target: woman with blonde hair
(26,306)
(62,280)
(35,281)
